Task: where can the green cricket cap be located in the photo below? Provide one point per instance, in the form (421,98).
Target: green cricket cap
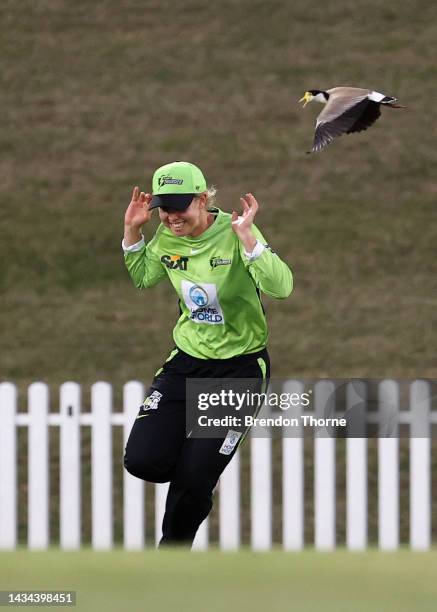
(175,185)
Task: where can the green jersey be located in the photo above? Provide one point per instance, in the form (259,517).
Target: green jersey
(218,286)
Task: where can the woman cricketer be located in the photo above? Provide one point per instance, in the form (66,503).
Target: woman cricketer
(218,263)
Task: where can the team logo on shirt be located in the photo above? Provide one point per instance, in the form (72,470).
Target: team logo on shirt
(175,262)
(202,303)
(218,261)
(151,402)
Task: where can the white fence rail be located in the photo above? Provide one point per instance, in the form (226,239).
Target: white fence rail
(38,419)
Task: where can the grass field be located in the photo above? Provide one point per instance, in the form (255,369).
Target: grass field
(96,95)
(174,580)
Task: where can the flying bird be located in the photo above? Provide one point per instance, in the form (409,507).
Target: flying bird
(347,110)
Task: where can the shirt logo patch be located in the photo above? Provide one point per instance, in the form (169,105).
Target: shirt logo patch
(218,261)
(230,442)
(175,262)
(199,296)
(151,402)
(202,302)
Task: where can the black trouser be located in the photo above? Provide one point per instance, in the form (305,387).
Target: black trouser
(159,451)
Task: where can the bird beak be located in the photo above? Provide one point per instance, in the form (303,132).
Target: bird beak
(307,98)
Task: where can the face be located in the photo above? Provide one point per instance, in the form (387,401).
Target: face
(189,222)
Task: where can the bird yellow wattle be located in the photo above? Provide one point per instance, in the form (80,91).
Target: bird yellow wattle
(306,98)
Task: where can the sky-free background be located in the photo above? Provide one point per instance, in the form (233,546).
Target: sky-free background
(96,95)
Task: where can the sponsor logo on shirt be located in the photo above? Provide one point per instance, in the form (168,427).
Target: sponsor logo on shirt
(199,296)
(230,442)
(202,302)
(218,261)
(175,262)
(270,249)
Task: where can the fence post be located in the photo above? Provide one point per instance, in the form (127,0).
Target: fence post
(293,475)
(261,492)
(133,488)
(161,490)
(101,461)
(324,469)
(356,466)
(38,467)
(70,519)
(420,466)
(8,466)
(388,465)
(229,505)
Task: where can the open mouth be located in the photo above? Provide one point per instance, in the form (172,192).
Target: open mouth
(176,225)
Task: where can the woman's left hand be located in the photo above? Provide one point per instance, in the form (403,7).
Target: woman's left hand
(242,225)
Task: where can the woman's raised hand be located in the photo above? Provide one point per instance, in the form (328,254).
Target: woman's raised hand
(241,225)
(138,213)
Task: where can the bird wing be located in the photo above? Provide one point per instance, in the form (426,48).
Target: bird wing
(340,100)
(350,92)
(371,113)
(338,118)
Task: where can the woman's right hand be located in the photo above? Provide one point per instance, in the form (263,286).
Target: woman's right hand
(138,213)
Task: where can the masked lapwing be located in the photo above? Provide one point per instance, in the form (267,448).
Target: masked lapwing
(347,110)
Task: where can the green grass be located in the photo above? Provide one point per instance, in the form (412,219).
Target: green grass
(276,581)
(96,95)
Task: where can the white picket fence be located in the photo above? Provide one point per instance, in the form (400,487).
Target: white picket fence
(69,419)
